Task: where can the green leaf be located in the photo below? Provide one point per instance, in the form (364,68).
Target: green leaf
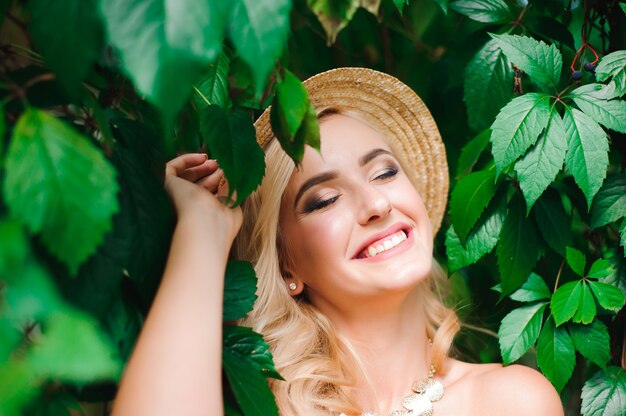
(519,331)
(565,301)
(480,242)
(240,290)
(622,232)
(517,127)
(469,198)
(609,296)
(587,154)
(259,31)
(443,4)
(517,250)
(333,15)
(576,260)
(533,289)
(540,165)
(600,269)
(59,185)
(17,387)
(213,86)
(609,113)
(14,250)
(609,204)
(586,310)
(471,152)
(291,120)
(623,6)
(555,354)
(553,222)
(485,11)
(618,262)
(613,65)
(249,344)
(400,4)
(487,85)
(232,140)
(73,349)
(604,394)
(70,36)
(592,341)
(541,62)
(32,296)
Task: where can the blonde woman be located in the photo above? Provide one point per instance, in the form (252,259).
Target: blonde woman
(350,298)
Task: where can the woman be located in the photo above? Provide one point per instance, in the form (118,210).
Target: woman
(349,297)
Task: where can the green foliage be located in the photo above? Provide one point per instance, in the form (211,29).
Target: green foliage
(519,331)
(485,11)
(592,342)
(470,197)
(532,290)
(239,293)
(555,354)
(604,393)
(609,204)
(613,66)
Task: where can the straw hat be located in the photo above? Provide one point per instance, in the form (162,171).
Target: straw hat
(396,112)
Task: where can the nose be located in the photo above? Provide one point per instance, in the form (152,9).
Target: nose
(374,204)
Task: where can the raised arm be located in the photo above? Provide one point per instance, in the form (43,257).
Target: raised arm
(175,368)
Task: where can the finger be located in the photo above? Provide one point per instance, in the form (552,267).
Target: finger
(198,172)
(212,181)
(182,162)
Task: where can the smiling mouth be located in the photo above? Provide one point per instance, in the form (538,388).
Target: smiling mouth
(383,244)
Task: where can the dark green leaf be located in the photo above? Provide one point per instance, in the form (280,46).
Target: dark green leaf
(259,30)
(290,115)
(609,113)
(485,11)
(70,37)
(553,222)
(471,152)
(469,198)
(587,154)
(517,127)
(622,232)
(600,269)
(60,185)
(213,86)
(540,165)
(592,341)
(250,346)
(123,323)
(400,4)
(586,310)
(442,3)
(333,15)
(609,204)
(609,296)
(613,65)
(14,250)
(565,300)
(576,260)
(555,354)
(232,140)
(533,289)
(517,250)
(33,295)
(541,62)
(550,28)
(239,290)
(519,330)
(604,394)
(618,262)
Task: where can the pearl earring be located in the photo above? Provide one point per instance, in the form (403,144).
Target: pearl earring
(293,286)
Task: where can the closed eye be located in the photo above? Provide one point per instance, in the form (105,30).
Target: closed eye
(387,173)
(316,204)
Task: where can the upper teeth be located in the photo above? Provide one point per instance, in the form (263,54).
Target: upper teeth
(384,245)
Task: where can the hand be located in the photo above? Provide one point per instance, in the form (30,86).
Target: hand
(192,181)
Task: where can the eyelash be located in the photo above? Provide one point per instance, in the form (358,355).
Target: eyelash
(319,204)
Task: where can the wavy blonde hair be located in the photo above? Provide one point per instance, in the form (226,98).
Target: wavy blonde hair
(318,365)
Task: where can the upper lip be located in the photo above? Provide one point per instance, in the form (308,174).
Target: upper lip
(384,233)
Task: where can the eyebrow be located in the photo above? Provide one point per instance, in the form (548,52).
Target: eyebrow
(330,175)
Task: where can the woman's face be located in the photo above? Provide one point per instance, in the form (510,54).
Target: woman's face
(354,224)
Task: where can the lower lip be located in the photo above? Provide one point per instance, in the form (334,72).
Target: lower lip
(403,246)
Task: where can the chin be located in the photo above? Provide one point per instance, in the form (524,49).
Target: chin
(407,277)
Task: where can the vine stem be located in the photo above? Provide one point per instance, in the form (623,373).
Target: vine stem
(558,275)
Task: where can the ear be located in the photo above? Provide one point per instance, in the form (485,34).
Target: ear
(295,286)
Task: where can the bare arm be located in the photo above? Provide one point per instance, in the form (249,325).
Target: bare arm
(176,365)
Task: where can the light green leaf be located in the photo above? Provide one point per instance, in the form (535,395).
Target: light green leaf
(609,204)
(32,295)
(485,11)
(592,341)
(609,113)
(239,290)
(555,354)
(487,85)
(533,289)
(213,86)
(259,30)
(565,300)
(334,15)
(586,310)
(519,331)
(587,154)
(613,65)
(623,6)
(17,387)
(59,185)
(469,198)
(400,4)
(540,165)
(480,242)
(232,140)
(600,269)
(541,62)
(471,152)
(604,394)
(553,222)
(576,260)
(290,118)
(517,249)
(609,296)
(517,127)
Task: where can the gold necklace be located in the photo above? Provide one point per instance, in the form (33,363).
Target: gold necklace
(420,401)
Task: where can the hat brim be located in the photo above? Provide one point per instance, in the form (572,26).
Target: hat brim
(398,113)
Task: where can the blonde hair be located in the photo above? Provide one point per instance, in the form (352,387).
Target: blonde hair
(318,366)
